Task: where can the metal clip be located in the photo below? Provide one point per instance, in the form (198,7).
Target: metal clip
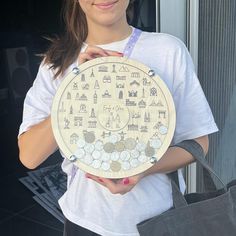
(153,160)
(75,70)
(151,73)
(73,158)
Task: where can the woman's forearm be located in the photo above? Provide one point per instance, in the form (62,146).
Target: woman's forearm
(176,158)
(37,144)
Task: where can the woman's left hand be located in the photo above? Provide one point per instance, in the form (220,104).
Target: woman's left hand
(117,186)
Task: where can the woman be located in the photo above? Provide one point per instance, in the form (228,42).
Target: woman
(92,205)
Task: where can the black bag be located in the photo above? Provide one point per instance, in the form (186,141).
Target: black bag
(196,214)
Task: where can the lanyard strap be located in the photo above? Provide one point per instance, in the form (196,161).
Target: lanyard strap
(132,41)
(73,173)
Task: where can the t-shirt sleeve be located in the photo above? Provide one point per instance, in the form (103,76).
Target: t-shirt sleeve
(38,100)
(193,114)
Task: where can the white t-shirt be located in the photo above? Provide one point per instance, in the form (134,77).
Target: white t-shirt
(91,205)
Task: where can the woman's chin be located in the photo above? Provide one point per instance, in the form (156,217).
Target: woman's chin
(106,21)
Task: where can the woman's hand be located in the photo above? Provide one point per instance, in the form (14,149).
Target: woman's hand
(93,52)
(117,186)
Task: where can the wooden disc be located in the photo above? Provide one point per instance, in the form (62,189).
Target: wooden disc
(115,106)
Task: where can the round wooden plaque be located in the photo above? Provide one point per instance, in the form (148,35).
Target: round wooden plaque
(113,117)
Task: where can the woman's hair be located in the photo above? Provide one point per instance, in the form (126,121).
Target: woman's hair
(64,50)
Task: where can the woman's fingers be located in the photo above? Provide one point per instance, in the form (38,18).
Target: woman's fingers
(110,184)
(83,57)
(90,53)
(95,178)
(120,186)
(114,53)
(93,52)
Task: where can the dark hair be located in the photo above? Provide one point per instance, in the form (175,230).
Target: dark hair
(65,49)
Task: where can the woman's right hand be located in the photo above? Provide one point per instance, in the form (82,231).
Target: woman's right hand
(93,52)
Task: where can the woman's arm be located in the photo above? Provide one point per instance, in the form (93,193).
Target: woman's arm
(176,158)
(37,144)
